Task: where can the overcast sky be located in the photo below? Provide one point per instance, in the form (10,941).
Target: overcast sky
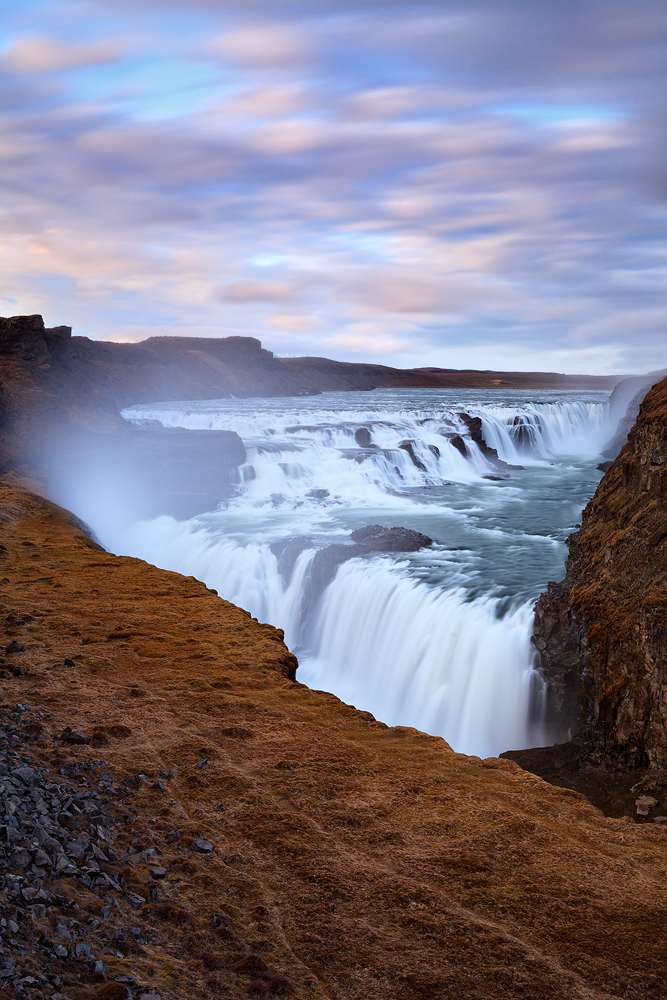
(475,184)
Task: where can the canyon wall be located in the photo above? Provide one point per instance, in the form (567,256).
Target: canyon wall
(50,380)
(602,631)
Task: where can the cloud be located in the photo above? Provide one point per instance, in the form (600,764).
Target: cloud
(270,46)
(45,55)
(258,291)
(411,180)
(296,323)
(261,103)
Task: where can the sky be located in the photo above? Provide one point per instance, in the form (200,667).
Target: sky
(465,185)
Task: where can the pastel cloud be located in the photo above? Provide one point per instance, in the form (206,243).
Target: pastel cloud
(258,291)
(268,46)
(352,179)
(46,55)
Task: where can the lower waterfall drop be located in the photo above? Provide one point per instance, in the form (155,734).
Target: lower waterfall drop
(439,638)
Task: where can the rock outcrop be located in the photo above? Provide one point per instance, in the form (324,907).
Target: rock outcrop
(229,833)
(53,385)
(624,403)
(60,402)
(602,631)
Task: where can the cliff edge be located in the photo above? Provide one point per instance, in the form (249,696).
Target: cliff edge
(602,632)
(184,821)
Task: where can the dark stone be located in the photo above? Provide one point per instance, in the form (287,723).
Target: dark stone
(135,900)
(409,447)
(377,538)
(605,466)
(203,846)
(288,550)
(474,425)
(363,437)
(460,445)
(69,663)
(318,494)
(564,765)
(20,859)
(14,647)
(324,566)
(495,479)
(372,538)
(70,735)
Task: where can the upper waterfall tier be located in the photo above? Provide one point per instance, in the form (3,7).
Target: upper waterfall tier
(358,448)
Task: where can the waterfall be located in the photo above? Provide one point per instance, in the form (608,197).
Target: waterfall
(411,654)
(364,454)
(438,639)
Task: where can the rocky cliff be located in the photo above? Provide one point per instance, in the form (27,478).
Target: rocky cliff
(60,402)
(51,381)
(602,631)
(185,822)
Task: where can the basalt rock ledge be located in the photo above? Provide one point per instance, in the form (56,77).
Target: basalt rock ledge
(602,632)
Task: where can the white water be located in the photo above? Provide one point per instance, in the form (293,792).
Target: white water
(438,639)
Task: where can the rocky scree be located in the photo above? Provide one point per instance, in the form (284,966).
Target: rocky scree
(84,892)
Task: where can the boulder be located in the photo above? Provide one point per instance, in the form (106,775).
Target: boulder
(376,538)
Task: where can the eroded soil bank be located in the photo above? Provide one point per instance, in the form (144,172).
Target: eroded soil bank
(347,860)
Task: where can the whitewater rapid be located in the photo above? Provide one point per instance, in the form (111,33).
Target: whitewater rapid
(438,639)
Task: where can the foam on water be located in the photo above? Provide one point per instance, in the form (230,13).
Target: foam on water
(438,639)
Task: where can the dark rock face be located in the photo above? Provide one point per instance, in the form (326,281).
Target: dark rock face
(362,436)
(602,632)
(638,795)
(55,387)
(26,338)
(460,445)
(474,425)
(409,446)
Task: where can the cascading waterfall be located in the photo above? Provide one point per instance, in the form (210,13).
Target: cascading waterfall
(438,639)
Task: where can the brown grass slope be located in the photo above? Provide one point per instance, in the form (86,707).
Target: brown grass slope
(356,861)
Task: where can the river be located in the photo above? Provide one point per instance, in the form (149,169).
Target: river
(439,638)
